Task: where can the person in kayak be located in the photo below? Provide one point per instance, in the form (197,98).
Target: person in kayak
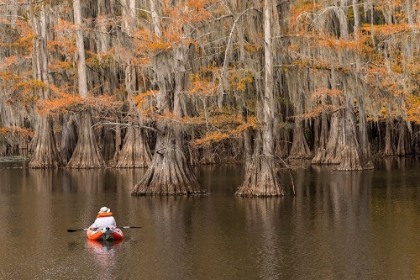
(104,219)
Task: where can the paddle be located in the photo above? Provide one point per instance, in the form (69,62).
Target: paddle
(79,229)
(73,230)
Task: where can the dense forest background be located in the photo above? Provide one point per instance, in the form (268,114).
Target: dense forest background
(172,84)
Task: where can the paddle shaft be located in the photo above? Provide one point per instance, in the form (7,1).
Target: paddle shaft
(129,227)
(80,229)
(73,230)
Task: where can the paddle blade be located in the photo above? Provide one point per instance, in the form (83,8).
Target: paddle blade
(129,227)
(79,229)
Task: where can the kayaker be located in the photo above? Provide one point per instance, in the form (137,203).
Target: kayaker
(104,219)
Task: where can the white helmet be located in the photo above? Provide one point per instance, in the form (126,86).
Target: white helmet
(105,210)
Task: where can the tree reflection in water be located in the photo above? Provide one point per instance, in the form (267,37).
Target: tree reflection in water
(263,213)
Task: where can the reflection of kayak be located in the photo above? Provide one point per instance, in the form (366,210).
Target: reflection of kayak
(105,233)
(104,244)
(104,254)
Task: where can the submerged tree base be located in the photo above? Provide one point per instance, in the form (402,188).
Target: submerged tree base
(169,172)
(46,154)
(87,153)
(135,152)
(166,179)
(261,180)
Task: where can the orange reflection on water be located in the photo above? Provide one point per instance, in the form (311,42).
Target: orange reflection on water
(104,256)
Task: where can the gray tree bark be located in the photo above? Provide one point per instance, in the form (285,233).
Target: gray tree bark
(45,154)
(87,153)
(169,172)
(261,178)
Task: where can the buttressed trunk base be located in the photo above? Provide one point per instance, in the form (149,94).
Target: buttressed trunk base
(261,179)
(169,172)
(46,153)
(87,153)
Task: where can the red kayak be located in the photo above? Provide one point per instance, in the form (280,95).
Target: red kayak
(105,233)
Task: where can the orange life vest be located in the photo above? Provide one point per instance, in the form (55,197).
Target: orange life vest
(104,214)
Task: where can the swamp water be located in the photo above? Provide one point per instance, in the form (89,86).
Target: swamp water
(340,225)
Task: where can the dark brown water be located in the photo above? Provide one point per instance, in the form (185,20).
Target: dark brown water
(340,225)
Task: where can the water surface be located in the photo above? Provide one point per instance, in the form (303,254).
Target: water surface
(340,225)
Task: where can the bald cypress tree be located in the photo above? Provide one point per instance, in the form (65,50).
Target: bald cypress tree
(87,153)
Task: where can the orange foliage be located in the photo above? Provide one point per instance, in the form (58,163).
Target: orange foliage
(201,86)
(140,99)
(8,61)
(194,121)
(300,15)
(326,91)
(339,44)
(229,126)
(23,43)
(251,123)
(64,102)
(226,120)
(188,12)
(239,78)
(253,47)
(150,42)
(318,110)
(103,59)
(58,66)
(392,29)
(176,21)
(65,46)
(63,26)
(216,136)
(413,108)
(9,79)
(13,130)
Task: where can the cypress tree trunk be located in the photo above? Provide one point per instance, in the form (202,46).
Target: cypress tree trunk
(351,154)
(208,156)
(45,153)
(261,178)
(81,65)
(283,142)
(404,145)
(361,141)
(106,143)
(363,133)
(334,144)
(135,151)
(247,138)
(300,148)
(68,138)
(389,149)
(87,153)
(170,172)
(321,139)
